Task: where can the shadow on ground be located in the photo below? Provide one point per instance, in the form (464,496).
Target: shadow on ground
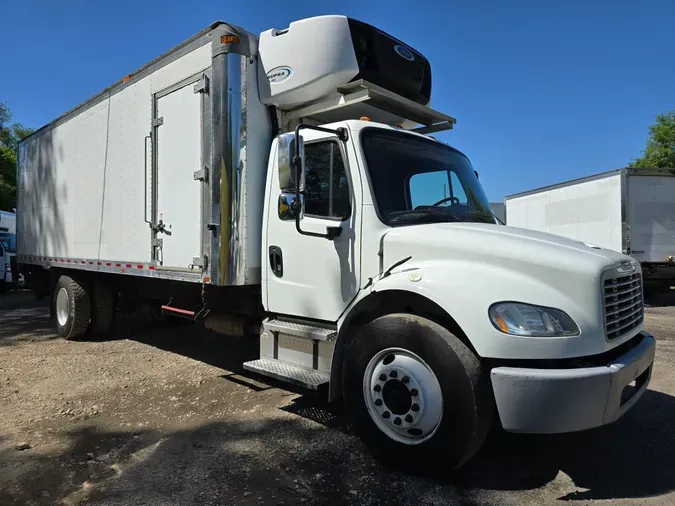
(21,314)
(315,457)
(633,458)
(660,299)
(291,461)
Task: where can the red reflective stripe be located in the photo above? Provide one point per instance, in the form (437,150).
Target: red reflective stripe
(139,266)
(108,264)
(176,310)
(68,261)
(151,267)
(118,265)
(99,263)
(128,266)
(83,262)
(91,263)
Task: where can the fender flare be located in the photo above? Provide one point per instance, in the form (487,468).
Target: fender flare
(367,307)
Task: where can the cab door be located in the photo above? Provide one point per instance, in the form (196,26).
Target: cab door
(307,276)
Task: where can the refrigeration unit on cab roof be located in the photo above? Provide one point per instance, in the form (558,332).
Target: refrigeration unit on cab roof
(313,57)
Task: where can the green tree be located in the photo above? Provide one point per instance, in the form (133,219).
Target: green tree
(10,136)
(659,153)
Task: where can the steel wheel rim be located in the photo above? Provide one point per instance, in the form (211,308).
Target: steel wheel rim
(62,307)
(410,418)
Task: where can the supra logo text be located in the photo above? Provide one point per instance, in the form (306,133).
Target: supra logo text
(279,74)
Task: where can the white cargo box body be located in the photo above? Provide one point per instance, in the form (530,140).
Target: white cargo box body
(142,179)
(628,210)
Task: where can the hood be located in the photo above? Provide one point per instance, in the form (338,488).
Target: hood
(466,267)
(497,244)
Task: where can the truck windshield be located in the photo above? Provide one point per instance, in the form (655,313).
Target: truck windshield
(417,180)
(8,242)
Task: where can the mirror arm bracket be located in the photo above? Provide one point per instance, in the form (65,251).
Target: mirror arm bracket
(343,135)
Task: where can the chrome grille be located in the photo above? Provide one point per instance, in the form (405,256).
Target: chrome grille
(623,304)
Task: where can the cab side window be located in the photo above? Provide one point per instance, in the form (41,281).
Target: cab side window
(326,183)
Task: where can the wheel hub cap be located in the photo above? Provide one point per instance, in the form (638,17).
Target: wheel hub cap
(403,396)
(396,397)
(62,306)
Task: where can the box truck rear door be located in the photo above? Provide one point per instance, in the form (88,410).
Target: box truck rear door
(178,132)
(651,216)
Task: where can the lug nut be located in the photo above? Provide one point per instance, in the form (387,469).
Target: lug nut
(414,392)
(415,407)
(377,388)
(378,402)
(393,374)
(386,414)
(383,377)
(405,379)
(408,418)
(397,421)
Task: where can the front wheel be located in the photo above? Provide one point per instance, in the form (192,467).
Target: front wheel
(417,395)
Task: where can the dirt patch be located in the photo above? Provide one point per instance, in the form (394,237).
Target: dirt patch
(166,415)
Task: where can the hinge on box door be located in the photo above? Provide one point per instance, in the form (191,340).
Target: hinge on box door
(202,86)
(157,243)
(202,261)
(201,175)
(157,122)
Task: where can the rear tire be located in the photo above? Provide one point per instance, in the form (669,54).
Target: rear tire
(102,308)
(72,307)
(418,396)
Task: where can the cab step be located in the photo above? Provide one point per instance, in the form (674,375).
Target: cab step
(311,379)
(301,330)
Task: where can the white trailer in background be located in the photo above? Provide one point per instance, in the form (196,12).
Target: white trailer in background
(631,211)
(285,187)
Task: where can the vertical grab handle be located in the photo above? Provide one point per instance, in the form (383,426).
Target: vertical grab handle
(145,182)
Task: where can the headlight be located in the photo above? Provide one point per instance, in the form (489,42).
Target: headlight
(531,321)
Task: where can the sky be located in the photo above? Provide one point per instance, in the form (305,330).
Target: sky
(543,91)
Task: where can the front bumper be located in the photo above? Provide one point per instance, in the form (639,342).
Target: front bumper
(548,401)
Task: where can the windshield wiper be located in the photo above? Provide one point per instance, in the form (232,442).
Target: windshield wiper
(432,214)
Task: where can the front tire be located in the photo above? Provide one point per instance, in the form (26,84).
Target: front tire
(418,396)
(72,307)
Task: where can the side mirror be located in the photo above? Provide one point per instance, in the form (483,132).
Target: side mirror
(287,170)
(476,172)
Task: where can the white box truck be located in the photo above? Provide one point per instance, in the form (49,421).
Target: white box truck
(7,247)
(286,186)
(631,211)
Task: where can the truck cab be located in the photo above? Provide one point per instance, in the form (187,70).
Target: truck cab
(389,278)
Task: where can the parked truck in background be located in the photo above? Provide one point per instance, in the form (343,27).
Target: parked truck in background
(631,211)
(7,247)
(286,187)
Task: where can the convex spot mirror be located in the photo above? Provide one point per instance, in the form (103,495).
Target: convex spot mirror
(287,171)
(287,207)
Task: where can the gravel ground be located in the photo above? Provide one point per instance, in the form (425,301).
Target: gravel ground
(165,415)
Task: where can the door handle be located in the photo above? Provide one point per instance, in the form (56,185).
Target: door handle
(161,228)
(276,261)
